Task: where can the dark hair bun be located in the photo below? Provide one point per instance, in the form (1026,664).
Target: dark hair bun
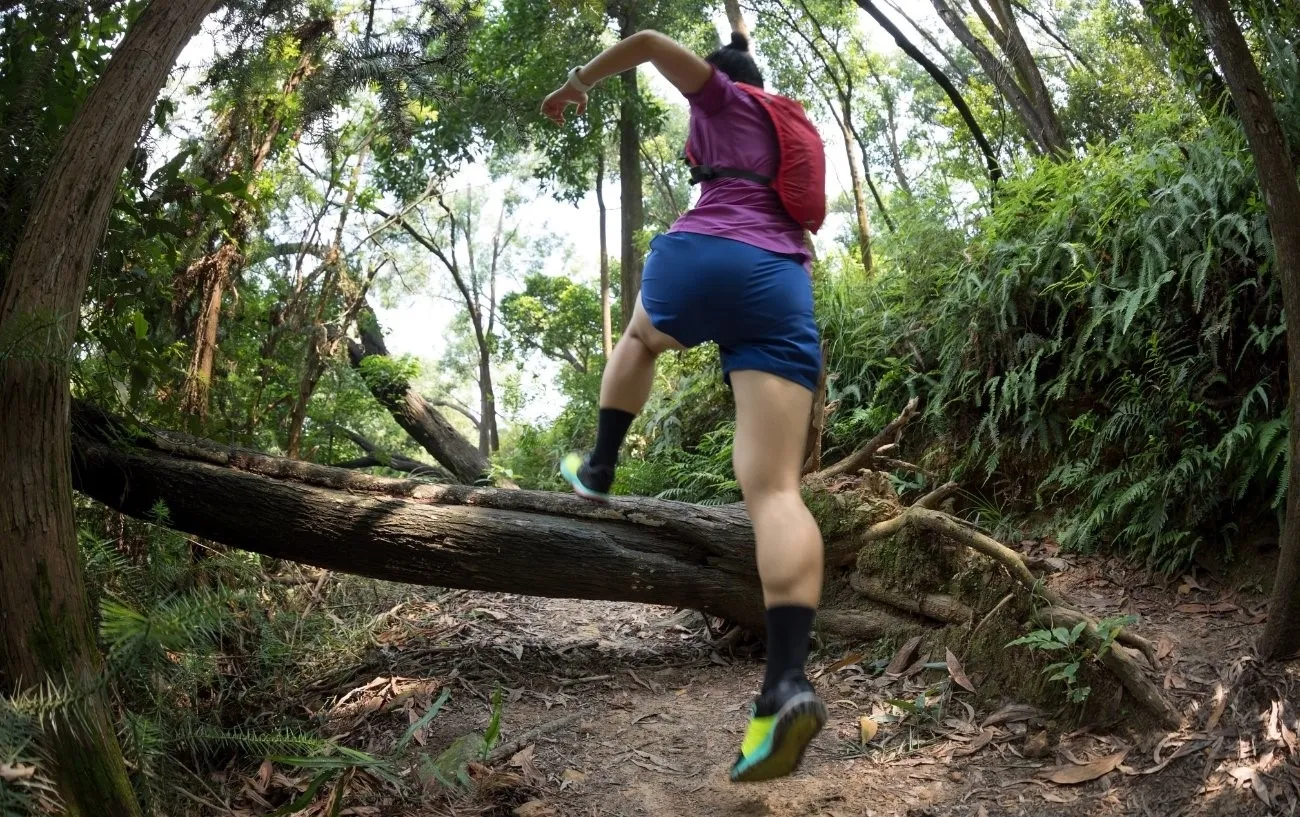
(739,41)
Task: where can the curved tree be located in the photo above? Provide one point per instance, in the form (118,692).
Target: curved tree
(47,637)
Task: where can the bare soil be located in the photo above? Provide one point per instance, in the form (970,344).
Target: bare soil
(642,712)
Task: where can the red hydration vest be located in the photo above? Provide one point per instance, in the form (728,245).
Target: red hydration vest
(800,179)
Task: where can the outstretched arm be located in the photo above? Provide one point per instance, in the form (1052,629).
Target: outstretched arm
(678,65)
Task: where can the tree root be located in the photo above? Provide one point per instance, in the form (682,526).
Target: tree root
(864,625)
(936,606)
(942,523)
(1117,660)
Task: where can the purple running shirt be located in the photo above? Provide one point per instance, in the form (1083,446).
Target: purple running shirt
(728,128)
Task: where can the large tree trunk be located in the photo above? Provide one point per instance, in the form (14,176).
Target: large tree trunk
(937,74)
(547,544)
(1277,178)
(606,319)
(488,441)
(629,173)
(47,634)
(411,410)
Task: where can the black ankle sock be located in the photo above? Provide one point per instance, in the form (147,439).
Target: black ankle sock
(788,630)
(611,428)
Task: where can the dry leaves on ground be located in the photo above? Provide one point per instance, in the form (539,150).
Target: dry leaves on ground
(1073,774)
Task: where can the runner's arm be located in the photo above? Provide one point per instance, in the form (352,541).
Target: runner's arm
(679,66)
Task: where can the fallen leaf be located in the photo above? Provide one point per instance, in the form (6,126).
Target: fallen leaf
(868,728)
(904,656)
(1011,713)
(524,755)
(958,674)
(1220,701)
(534,808)
(1073,775)
(1289,738)
(1164,647)
(1053,797)
(264,776)
(572,777)
(12,773)
(1208,609)
(846,661)
(981,740)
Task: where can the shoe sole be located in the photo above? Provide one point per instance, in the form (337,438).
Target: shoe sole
(581,490)
(798,723)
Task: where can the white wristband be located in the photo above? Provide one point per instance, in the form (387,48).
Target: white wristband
(577,83)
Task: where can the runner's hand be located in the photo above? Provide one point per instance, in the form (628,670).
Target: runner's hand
(554,106)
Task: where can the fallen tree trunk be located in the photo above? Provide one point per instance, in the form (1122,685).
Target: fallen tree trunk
(529,542)
(549,544)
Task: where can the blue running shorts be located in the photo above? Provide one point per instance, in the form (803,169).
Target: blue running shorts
(757,305)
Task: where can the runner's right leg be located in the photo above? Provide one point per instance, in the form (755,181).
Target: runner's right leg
(771,429)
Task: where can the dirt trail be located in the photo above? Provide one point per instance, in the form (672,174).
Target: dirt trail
(660,714)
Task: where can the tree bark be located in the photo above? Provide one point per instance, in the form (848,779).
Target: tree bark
(859,197)
(47,634)
(538,543)
(1044,134)
(606,319)
(411,410)
(629,173)
(487,427)
(937,74)
(1277,179)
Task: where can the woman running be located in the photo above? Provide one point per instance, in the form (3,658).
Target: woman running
(733,270)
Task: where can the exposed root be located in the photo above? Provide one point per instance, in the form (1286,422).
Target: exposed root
(943,608)
(948,526)
(864,625)
(936,606)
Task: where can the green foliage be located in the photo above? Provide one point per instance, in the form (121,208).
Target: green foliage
(1077,654)
(1106,347)
(556,317)
(26,788)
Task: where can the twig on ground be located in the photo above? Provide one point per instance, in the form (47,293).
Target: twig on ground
(526,737)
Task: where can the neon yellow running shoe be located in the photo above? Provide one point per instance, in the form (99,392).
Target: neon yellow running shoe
(588,481)
(782,723)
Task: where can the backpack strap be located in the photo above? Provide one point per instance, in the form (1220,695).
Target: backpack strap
(704,173)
